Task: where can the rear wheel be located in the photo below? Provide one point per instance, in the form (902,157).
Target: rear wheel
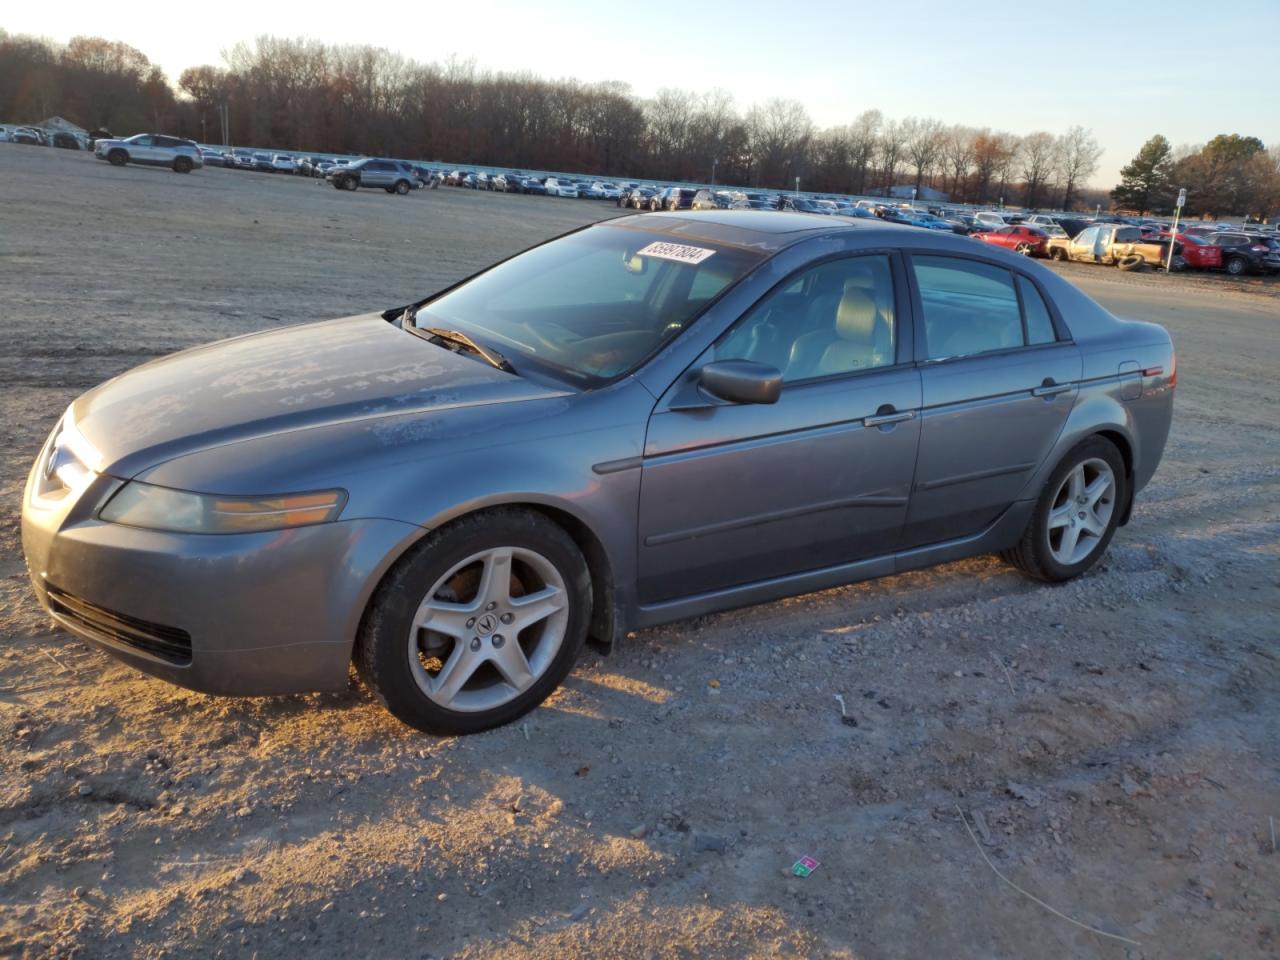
(1076,515)
(117,157)
(478,624)
(402,187)
(1236,266)
(182,164)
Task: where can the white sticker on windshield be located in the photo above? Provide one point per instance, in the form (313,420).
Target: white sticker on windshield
(677,252)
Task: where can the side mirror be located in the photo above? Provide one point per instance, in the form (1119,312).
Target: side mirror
(741,381)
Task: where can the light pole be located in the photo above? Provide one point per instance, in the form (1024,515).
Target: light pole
(797,186)
(713,172)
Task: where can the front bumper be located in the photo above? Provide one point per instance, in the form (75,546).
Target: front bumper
(260,613)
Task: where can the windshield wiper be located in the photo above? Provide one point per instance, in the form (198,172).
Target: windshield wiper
(458,338)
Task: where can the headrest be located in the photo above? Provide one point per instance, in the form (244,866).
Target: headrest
(856,316)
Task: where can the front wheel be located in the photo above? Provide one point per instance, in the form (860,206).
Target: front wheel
(117,158)
(1023,249)
(478,624)
(352,183)
(1058,254)
(1076,515)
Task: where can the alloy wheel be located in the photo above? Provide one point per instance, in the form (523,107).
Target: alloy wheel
(488,629)
(1081,511)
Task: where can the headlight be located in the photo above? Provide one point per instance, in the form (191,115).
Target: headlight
(179,511)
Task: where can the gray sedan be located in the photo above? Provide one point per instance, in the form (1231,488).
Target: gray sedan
(642,421)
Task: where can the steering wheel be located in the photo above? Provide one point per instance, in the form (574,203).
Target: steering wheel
(552,346)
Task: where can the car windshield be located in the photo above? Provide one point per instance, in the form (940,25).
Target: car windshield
(590,306)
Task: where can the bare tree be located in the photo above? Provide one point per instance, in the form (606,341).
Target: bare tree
(922,145)
(958,153)
(889,147)
(1037,158)
(1078,155)
(779,132)
(863,138)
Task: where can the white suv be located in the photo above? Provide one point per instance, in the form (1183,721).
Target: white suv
(152,149)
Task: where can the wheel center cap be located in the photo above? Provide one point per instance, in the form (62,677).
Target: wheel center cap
(486,624)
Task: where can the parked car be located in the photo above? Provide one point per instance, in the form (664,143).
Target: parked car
(63,140)
(1195,253)
(283,163)
(153,149)
(990,219)
(682,198)
(1242,253)
(264,163)
(532,185)
(1109,243)
(556,187)
(263,534)
(1021,239)
(29,136)
(636,197)
(394,176)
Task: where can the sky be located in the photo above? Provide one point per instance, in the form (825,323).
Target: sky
(1188,69)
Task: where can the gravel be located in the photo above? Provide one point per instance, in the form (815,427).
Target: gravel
(1139,706)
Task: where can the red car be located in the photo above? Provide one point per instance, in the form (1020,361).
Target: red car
(1195,252)
(1027,241)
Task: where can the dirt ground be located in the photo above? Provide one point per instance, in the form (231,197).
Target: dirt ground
(1111,744)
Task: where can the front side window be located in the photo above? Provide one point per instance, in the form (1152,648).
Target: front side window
(832,319)
(969,307)
(593,305)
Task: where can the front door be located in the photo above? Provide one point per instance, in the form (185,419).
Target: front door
(734,494)
(998,382)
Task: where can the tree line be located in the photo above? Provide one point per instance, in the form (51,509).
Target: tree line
(1231,174)
(314,97)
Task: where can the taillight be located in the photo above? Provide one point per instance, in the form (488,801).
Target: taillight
(1173,369)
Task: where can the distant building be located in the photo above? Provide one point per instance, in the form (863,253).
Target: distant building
(926,193)
(59,125)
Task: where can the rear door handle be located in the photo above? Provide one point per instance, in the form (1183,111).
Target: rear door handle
(1050,389)
(880,419)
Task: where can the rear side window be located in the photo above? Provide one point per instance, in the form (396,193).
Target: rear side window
(1039,324)
(969,307)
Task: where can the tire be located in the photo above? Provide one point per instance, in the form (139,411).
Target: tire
(1237,266)
(401,187)
(1131,263)
(351,183)
(182,164)
(1023,249)
(1178,263)
(407,665)
(389,189)
(117,157)
(1058,254)
(1083,539)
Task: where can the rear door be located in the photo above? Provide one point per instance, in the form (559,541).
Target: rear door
(734,494)
(999,376)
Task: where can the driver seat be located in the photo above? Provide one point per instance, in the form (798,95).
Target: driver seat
(858,338)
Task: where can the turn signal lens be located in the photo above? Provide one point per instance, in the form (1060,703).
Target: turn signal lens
(180,511)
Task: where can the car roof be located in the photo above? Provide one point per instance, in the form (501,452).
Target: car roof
(768,230)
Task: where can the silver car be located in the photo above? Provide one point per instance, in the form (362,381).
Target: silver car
(642,421)
(153,149)
(394,176)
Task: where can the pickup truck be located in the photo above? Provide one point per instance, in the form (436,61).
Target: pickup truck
(1115,243)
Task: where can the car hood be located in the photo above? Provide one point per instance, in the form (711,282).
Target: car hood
(295,378)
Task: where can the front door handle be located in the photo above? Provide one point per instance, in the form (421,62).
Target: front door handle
(1050,389)
(881,419)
